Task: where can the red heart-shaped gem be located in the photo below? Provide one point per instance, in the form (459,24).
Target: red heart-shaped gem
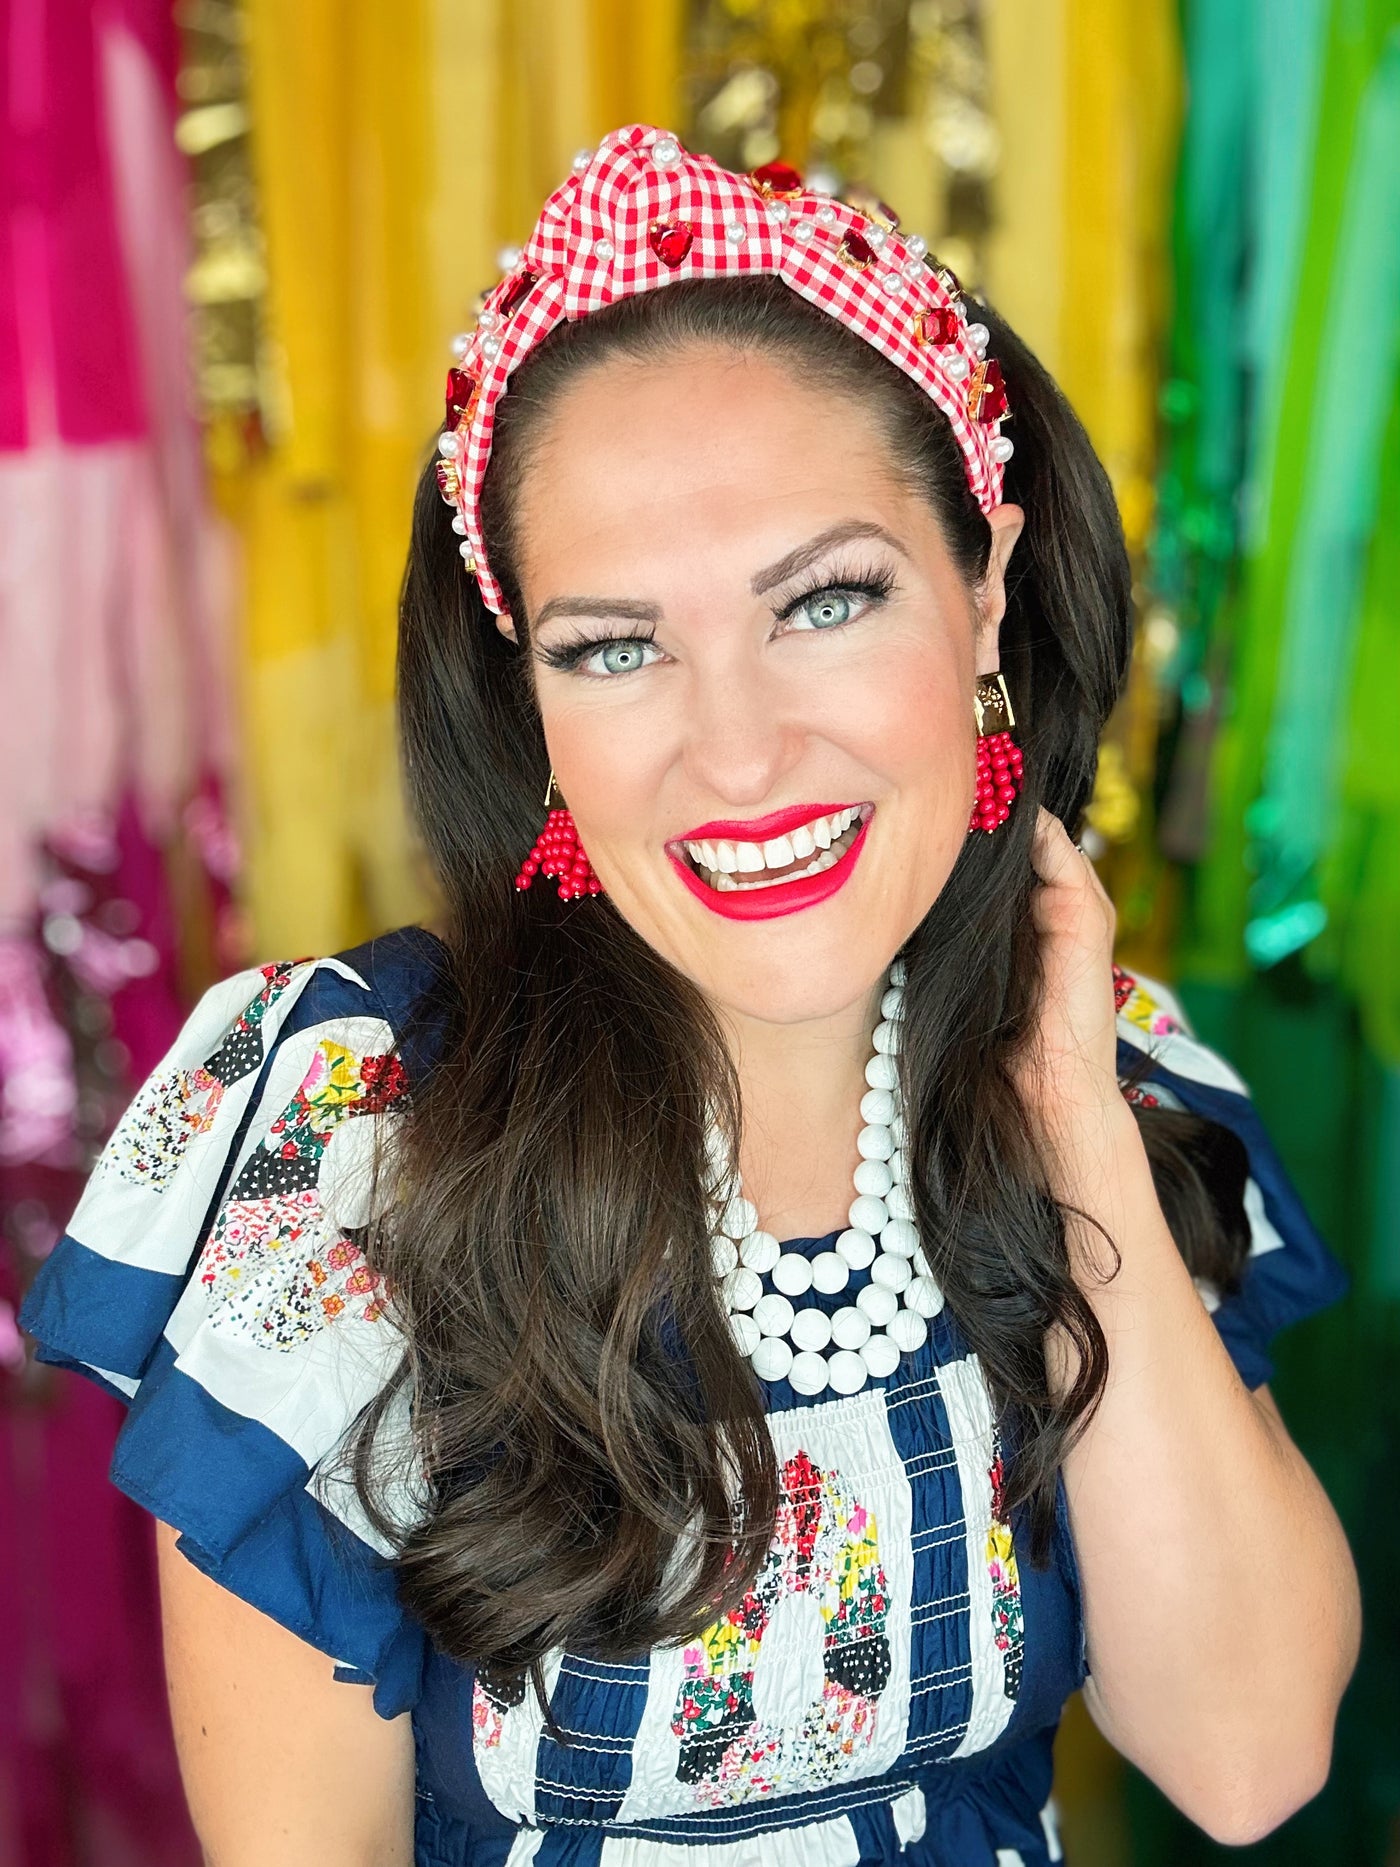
(670,240)
(776,179)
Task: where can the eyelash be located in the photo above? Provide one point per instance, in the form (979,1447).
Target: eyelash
(875,584)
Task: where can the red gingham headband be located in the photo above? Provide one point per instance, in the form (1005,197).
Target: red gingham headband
(640,211)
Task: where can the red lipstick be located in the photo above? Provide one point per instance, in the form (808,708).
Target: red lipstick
(763,904)
(761,829)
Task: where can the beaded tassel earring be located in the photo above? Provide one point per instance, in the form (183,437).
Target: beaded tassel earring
(998,755)
(558,852)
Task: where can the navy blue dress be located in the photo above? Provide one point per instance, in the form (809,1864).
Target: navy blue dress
(890,1686)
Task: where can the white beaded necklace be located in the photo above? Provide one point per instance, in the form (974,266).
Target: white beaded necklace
(805,1345)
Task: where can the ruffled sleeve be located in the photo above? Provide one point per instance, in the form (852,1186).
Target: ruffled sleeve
(210,1279)
(1290,1273)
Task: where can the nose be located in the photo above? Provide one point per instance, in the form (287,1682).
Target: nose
(742,733)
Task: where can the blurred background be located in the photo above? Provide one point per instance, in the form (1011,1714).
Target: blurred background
(237,239)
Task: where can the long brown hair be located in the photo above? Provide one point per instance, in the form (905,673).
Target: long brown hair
(594,1446)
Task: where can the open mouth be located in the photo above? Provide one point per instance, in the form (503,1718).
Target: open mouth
(809,849)
(809,853)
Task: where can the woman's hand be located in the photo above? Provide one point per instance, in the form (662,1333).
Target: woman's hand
(1068,1075)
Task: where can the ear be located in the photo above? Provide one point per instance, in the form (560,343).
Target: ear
(507,629)
(1006,522)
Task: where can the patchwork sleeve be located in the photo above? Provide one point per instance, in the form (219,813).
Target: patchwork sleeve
(1290,1272)
(210,1279)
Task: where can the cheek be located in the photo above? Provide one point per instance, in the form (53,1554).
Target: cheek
(609,761)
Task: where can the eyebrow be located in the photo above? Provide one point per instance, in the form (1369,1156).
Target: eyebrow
(628,609)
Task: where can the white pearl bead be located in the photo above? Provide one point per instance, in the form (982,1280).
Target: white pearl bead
(875,236)
(459,525)
(808,1373)
(490,347)
(581,161)
(773,1313)
(886,1038)
(811,1328)
(802,230)
(827,215)
(724,1255)
(897,1128)
(772,1358)
(856,1247)
(850,1327)
(830,1272)
(487,320)
(957,367)
(742,1288)
(891,282)
(892,1003)
(907,1331)
(877,1304)
(1003,447)
(923,1297)
(665,150)
(978,336)
(899,1202)
(449,445)
(897,1163)
(874,1177)
(901,1236)
(913,270)
(792,1274)
(880,1355)
(866,1214)
(916,244)
(922,1268)
(875,1143)
(602,249)
(877,1105)
(465,551)
(846,1372)
(740,1218)
(882,1073)
(735,232)
(760,1251)
(778,211)
(461,344)
(899,972)
(746,1333)
(508,258)
(890,1273)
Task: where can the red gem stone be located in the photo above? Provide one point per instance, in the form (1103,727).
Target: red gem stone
(462,391)
(776,179)
(939,325)
(670,240)
(515,290)
(986,392)
(855,250)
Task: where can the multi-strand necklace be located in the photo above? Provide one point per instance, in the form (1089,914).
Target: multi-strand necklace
(802,1343)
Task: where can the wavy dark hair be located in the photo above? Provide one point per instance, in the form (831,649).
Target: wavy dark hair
(597,1468)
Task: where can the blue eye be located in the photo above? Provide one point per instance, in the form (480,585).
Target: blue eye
(828,610)
(620,657)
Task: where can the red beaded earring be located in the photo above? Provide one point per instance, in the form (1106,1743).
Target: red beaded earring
(998,755)
(558,852)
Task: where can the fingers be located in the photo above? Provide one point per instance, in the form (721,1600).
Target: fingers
(1064,868)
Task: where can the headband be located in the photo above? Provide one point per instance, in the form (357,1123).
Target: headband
(639,212)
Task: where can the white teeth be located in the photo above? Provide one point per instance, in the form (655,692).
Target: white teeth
(824,838)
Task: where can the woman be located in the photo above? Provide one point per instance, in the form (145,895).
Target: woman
(699,1422)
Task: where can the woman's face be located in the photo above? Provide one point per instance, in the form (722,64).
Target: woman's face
(753,657)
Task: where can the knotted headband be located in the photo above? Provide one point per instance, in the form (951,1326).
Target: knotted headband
(639,212)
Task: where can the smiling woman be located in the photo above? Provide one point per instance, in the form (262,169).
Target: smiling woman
(753,1474)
